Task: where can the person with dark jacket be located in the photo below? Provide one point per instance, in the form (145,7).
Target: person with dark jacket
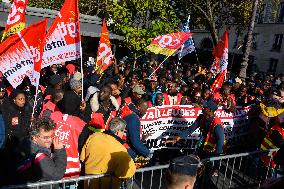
(17,116)
(41,157)
(133,128)
(72,103)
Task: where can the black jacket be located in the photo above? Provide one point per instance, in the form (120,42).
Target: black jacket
(17,122)
(71,105)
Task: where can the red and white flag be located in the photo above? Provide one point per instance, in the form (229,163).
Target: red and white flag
(22,52)
(16,18)
(104,55)
(63,40)
(220,52)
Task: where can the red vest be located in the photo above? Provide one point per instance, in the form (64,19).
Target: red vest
(268,143)
(68,129)
(97,123)
(210,139)
(167,99)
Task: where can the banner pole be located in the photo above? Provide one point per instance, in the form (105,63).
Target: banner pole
(158,67)
(35,103)
(82,74)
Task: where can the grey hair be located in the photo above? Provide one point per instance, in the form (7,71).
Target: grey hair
(75,83)
(116,124)
(41,123)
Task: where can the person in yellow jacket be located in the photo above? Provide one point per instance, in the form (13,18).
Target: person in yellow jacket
(104,153)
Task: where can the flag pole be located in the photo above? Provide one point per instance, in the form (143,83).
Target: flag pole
(82,74)
(35,103)
(158,67)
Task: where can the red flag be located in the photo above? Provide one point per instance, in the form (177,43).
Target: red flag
(168,44)
(221,52)
(217,84)
(63,41)
(104,55)
(22,52)
(16,18)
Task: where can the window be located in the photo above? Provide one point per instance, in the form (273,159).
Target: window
(281,13)
(277,42)
(273,65)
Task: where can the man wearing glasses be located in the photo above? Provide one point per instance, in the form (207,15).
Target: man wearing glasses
(41,157)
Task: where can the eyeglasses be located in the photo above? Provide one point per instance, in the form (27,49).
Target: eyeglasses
(46,137)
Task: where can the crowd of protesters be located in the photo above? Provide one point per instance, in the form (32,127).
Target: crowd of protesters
(104,115)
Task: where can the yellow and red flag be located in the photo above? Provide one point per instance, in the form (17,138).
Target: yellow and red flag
(104,55)
(63,40)
(168,44)
(21,54)
(16,18)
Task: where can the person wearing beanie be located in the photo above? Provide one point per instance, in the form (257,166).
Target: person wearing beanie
(182,172)
(72,103)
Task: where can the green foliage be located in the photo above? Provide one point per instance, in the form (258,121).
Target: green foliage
(137,20)
(141,20)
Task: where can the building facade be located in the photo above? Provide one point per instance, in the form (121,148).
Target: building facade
(267,53)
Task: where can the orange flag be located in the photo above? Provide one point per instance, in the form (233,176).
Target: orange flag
(21,54)
(16,18)
(104,55)
(63,40)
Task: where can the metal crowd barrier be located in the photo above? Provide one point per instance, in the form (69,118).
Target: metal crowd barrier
(244,170)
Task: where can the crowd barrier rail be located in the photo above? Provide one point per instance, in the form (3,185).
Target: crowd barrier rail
(244,170)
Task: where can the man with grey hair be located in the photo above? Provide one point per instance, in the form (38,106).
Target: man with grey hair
(72,103)
(40,157)
(104,153)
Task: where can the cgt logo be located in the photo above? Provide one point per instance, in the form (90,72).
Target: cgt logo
(17,9)
(71,29)
(167,41)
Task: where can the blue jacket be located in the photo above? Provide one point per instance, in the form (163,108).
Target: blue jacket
(133,134)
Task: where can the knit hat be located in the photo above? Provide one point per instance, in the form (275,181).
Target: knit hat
(75,83)
(185,165)
(138,89)
(77,76)
(71,68)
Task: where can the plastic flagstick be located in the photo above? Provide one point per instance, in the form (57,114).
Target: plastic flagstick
(82,74)
(158,67)
(35,104)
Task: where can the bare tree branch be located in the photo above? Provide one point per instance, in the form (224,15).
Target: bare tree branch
(200,9)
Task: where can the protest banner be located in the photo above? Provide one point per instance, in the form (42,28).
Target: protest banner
(63,41)
(166,122)
(20,53)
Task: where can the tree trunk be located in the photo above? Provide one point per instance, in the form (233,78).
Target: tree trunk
(214,33)
(244,63)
